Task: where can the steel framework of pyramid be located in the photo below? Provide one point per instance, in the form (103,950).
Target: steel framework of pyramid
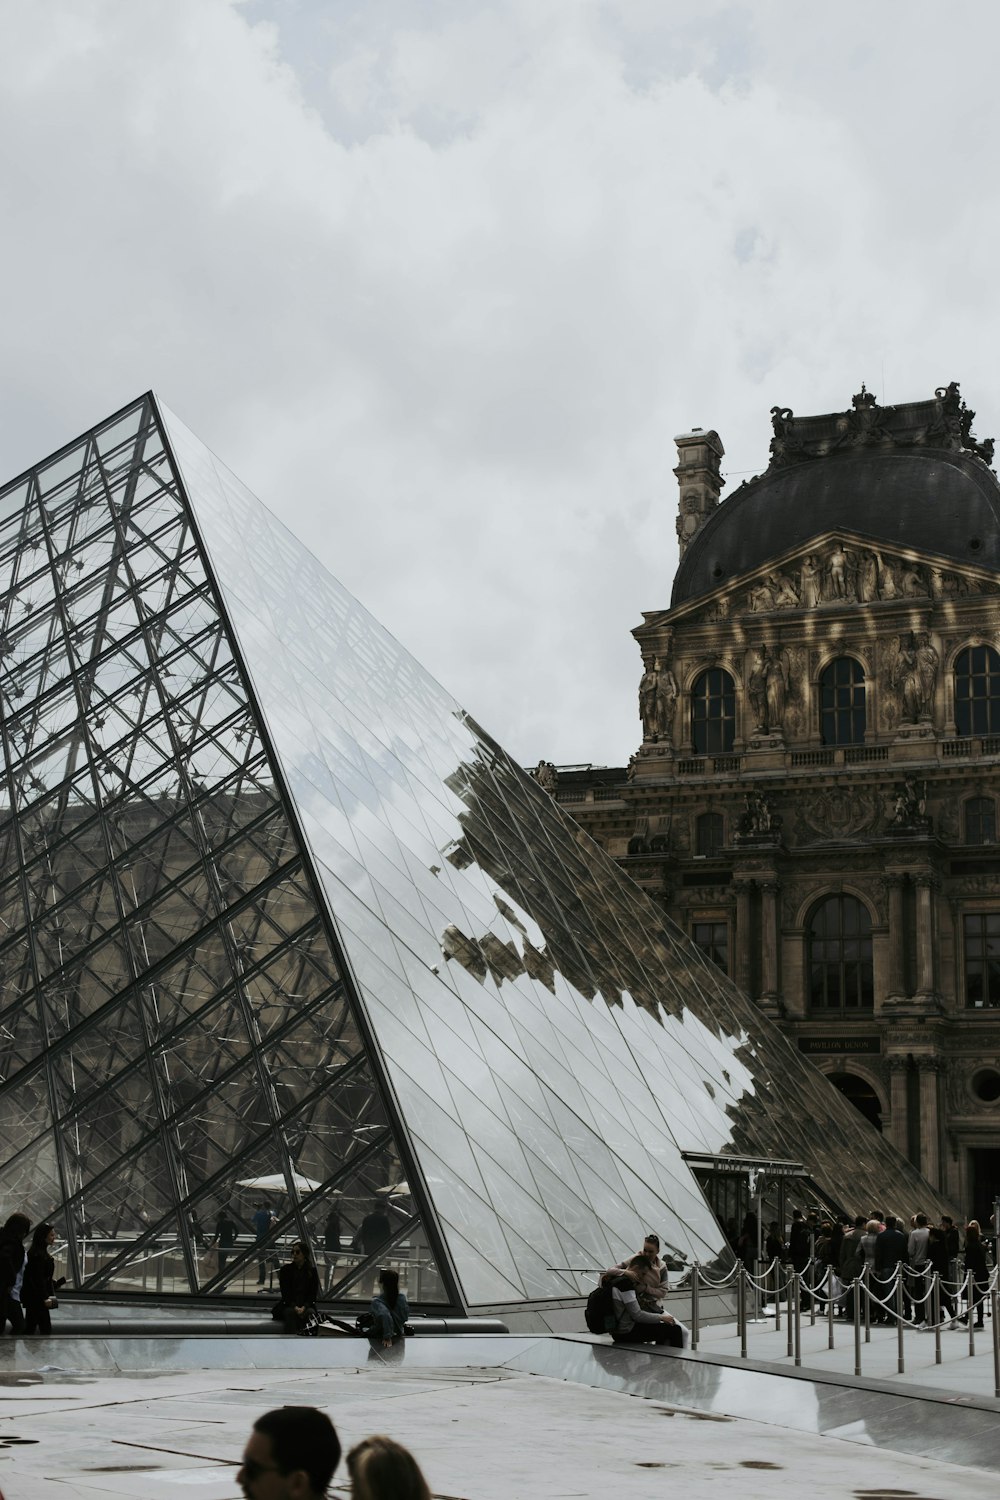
(277,915)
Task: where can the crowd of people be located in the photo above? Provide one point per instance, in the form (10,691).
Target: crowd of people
(835,1251)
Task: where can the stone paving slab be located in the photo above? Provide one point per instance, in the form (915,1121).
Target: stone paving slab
(492,1436)
(958,1372)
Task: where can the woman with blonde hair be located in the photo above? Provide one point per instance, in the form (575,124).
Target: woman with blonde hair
(383,1470)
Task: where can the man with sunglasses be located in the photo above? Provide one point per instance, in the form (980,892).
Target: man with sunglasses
(291,1454)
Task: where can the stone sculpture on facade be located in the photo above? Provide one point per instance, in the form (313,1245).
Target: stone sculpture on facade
(864,423)
(838,563)
(868,424)
(767,689)
(811,577)
(658,693)
(777,688)
(757,689)
(913,677)
(547,776)
(758,821)
(909,808)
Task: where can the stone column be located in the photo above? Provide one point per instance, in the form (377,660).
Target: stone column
(744,891)
(930,1118)
(896,1132)
(769,946)
(896,949)
(925,934)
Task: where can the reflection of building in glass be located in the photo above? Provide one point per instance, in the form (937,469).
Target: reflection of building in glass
(280,922)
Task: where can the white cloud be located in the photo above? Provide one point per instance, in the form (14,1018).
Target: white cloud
(442,283)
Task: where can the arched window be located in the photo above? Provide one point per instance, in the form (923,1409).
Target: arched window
(713,713)
(842,702)
(977,691)
(861,1095)
(980,821)
(841,979)
(709,834)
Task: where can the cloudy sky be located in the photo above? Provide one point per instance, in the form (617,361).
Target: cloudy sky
(442,279)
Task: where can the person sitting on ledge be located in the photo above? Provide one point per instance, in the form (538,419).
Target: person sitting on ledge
(298,1280)
(652,1284)
(633,1324)
(390,1310)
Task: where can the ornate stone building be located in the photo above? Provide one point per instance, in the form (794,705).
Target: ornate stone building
(815,795)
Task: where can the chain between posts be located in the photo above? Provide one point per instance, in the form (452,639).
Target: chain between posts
(923,1292)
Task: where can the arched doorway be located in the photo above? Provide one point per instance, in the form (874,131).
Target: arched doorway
(861,1095)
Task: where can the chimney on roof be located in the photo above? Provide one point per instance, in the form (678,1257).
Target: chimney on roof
(699,475)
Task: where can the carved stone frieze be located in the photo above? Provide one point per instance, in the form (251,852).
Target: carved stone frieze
(842,571)
(975,885)
(840,812)
(961,1096)
(708,895)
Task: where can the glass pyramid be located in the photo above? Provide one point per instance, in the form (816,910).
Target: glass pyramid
(279,922)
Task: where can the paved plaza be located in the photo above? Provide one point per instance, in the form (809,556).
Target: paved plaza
(488,1418)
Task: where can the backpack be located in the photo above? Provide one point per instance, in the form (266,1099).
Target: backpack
(600,1312)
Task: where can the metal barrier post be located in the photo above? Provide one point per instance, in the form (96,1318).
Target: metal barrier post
(695,1310)
(790,1280)
(856,1288)
(866,1284)
(972,1336)
(996,1338)
(829,1307)
(936,1314)
(900,1361)
(776,1268)
(741,1310)
(798,1320)
(812,1298)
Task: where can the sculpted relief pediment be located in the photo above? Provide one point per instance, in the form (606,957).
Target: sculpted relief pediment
(838,571)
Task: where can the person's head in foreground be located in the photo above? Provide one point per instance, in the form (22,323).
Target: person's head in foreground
(291,1454)
(383,1470)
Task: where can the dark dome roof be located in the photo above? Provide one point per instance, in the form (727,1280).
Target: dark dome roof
(931,500)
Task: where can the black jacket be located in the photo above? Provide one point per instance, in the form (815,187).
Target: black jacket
(299,1285)
(11,1260)
(975,1260)
(890,1249)
(39,1280)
